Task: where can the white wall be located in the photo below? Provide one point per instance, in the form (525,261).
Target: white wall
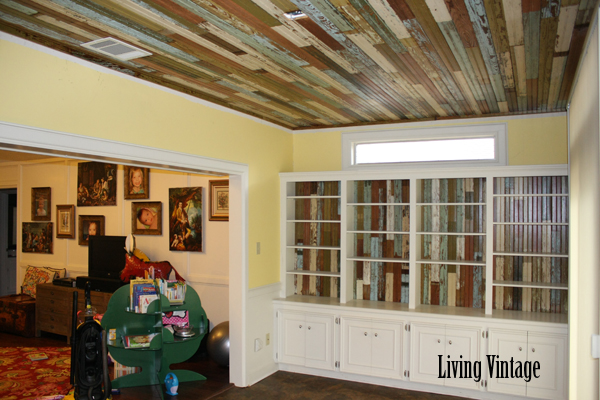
(584,128)
(207,272)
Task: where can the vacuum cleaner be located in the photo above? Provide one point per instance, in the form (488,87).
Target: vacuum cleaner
(89,362)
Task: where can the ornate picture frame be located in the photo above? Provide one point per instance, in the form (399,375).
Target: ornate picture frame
(136,183)
(185,219)
(146,218)
(41,204)
(96,184)
(37,237)
(219,200)
(65,221)
(87,224)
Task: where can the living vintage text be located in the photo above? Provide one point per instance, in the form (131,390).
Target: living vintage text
(497,368)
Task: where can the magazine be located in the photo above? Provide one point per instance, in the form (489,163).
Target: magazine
(37,356)
(138,341)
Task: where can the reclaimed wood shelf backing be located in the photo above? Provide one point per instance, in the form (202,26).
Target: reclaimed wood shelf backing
(316,207)
(379,238)
(531,236)
(452,262)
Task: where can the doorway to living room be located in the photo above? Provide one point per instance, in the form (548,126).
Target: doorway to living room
(52,143)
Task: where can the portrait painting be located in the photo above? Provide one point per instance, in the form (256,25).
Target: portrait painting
(185,219)
(137,183)
(65,221)
(146,218)
(41,203)
(219,200)
(90,225)
(96,184)
(37,237)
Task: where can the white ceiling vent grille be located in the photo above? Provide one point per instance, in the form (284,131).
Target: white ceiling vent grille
(116,48)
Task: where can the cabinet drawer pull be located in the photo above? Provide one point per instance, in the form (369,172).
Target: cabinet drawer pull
(309,328)
(520,348)
(438,340)
(375,335)
(365,333)
(300,326)
(533,350)
(450,342)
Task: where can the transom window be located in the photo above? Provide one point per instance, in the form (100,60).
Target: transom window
(457,146)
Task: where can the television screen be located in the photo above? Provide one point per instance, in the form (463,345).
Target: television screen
(106,256)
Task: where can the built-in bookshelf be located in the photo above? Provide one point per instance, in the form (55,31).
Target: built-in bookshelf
(531,234)
(452,239)
(313,225)
(378,229)
(494,241)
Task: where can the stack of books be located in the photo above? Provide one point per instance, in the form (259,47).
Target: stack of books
(172,289)
(142,292)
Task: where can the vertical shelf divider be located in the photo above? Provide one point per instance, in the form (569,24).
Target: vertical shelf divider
(414,275)
(489,242)
(346,272)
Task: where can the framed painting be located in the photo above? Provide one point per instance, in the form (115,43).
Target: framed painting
(41,203)
(96,184)
(90,225)
(146,218)
(185,219)
(37,237)
(219,200)
(65,221)
(137,183)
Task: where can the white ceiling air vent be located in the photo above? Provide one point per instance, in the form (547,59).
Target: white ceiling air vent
(116,48)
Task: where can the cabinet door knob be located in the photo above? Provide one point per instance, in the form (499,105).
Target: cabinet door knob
(375,335)
(365,333)
(438,340)
(300,326)
(533,350)
(520,348)
(450,342)
(309,328)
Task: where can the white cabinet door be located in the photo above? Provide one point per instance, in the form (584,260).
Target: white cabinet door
(551,353)
(319,341)
(371,347)
(386,344)
(427,349)
(292,338)
(356,346)
(506,345)
(306,339)
(462,344)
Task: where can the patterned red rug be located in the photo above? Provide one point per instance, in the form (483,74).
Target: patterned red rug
(24,378)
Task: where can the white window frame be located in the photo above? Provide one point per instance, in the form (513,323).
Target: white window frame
(497,131)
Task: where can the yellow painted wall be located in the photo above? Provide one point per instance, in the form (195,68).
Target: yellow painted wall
(536,140)
(584,231)
(41,90)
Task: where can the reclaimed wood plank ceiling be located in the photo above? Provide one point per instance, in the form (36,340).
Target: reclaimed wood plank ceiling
(344,63)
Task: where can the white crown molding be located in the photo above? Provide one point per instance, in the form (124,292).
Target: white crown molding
(105,70)
(88,64)
(430,124)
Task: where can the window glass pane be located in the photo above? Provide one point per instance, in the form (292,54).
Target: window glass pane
(425,151)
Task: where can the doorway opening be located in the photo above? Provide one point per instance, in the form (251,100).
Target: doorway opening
(26,139)
(8,241)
